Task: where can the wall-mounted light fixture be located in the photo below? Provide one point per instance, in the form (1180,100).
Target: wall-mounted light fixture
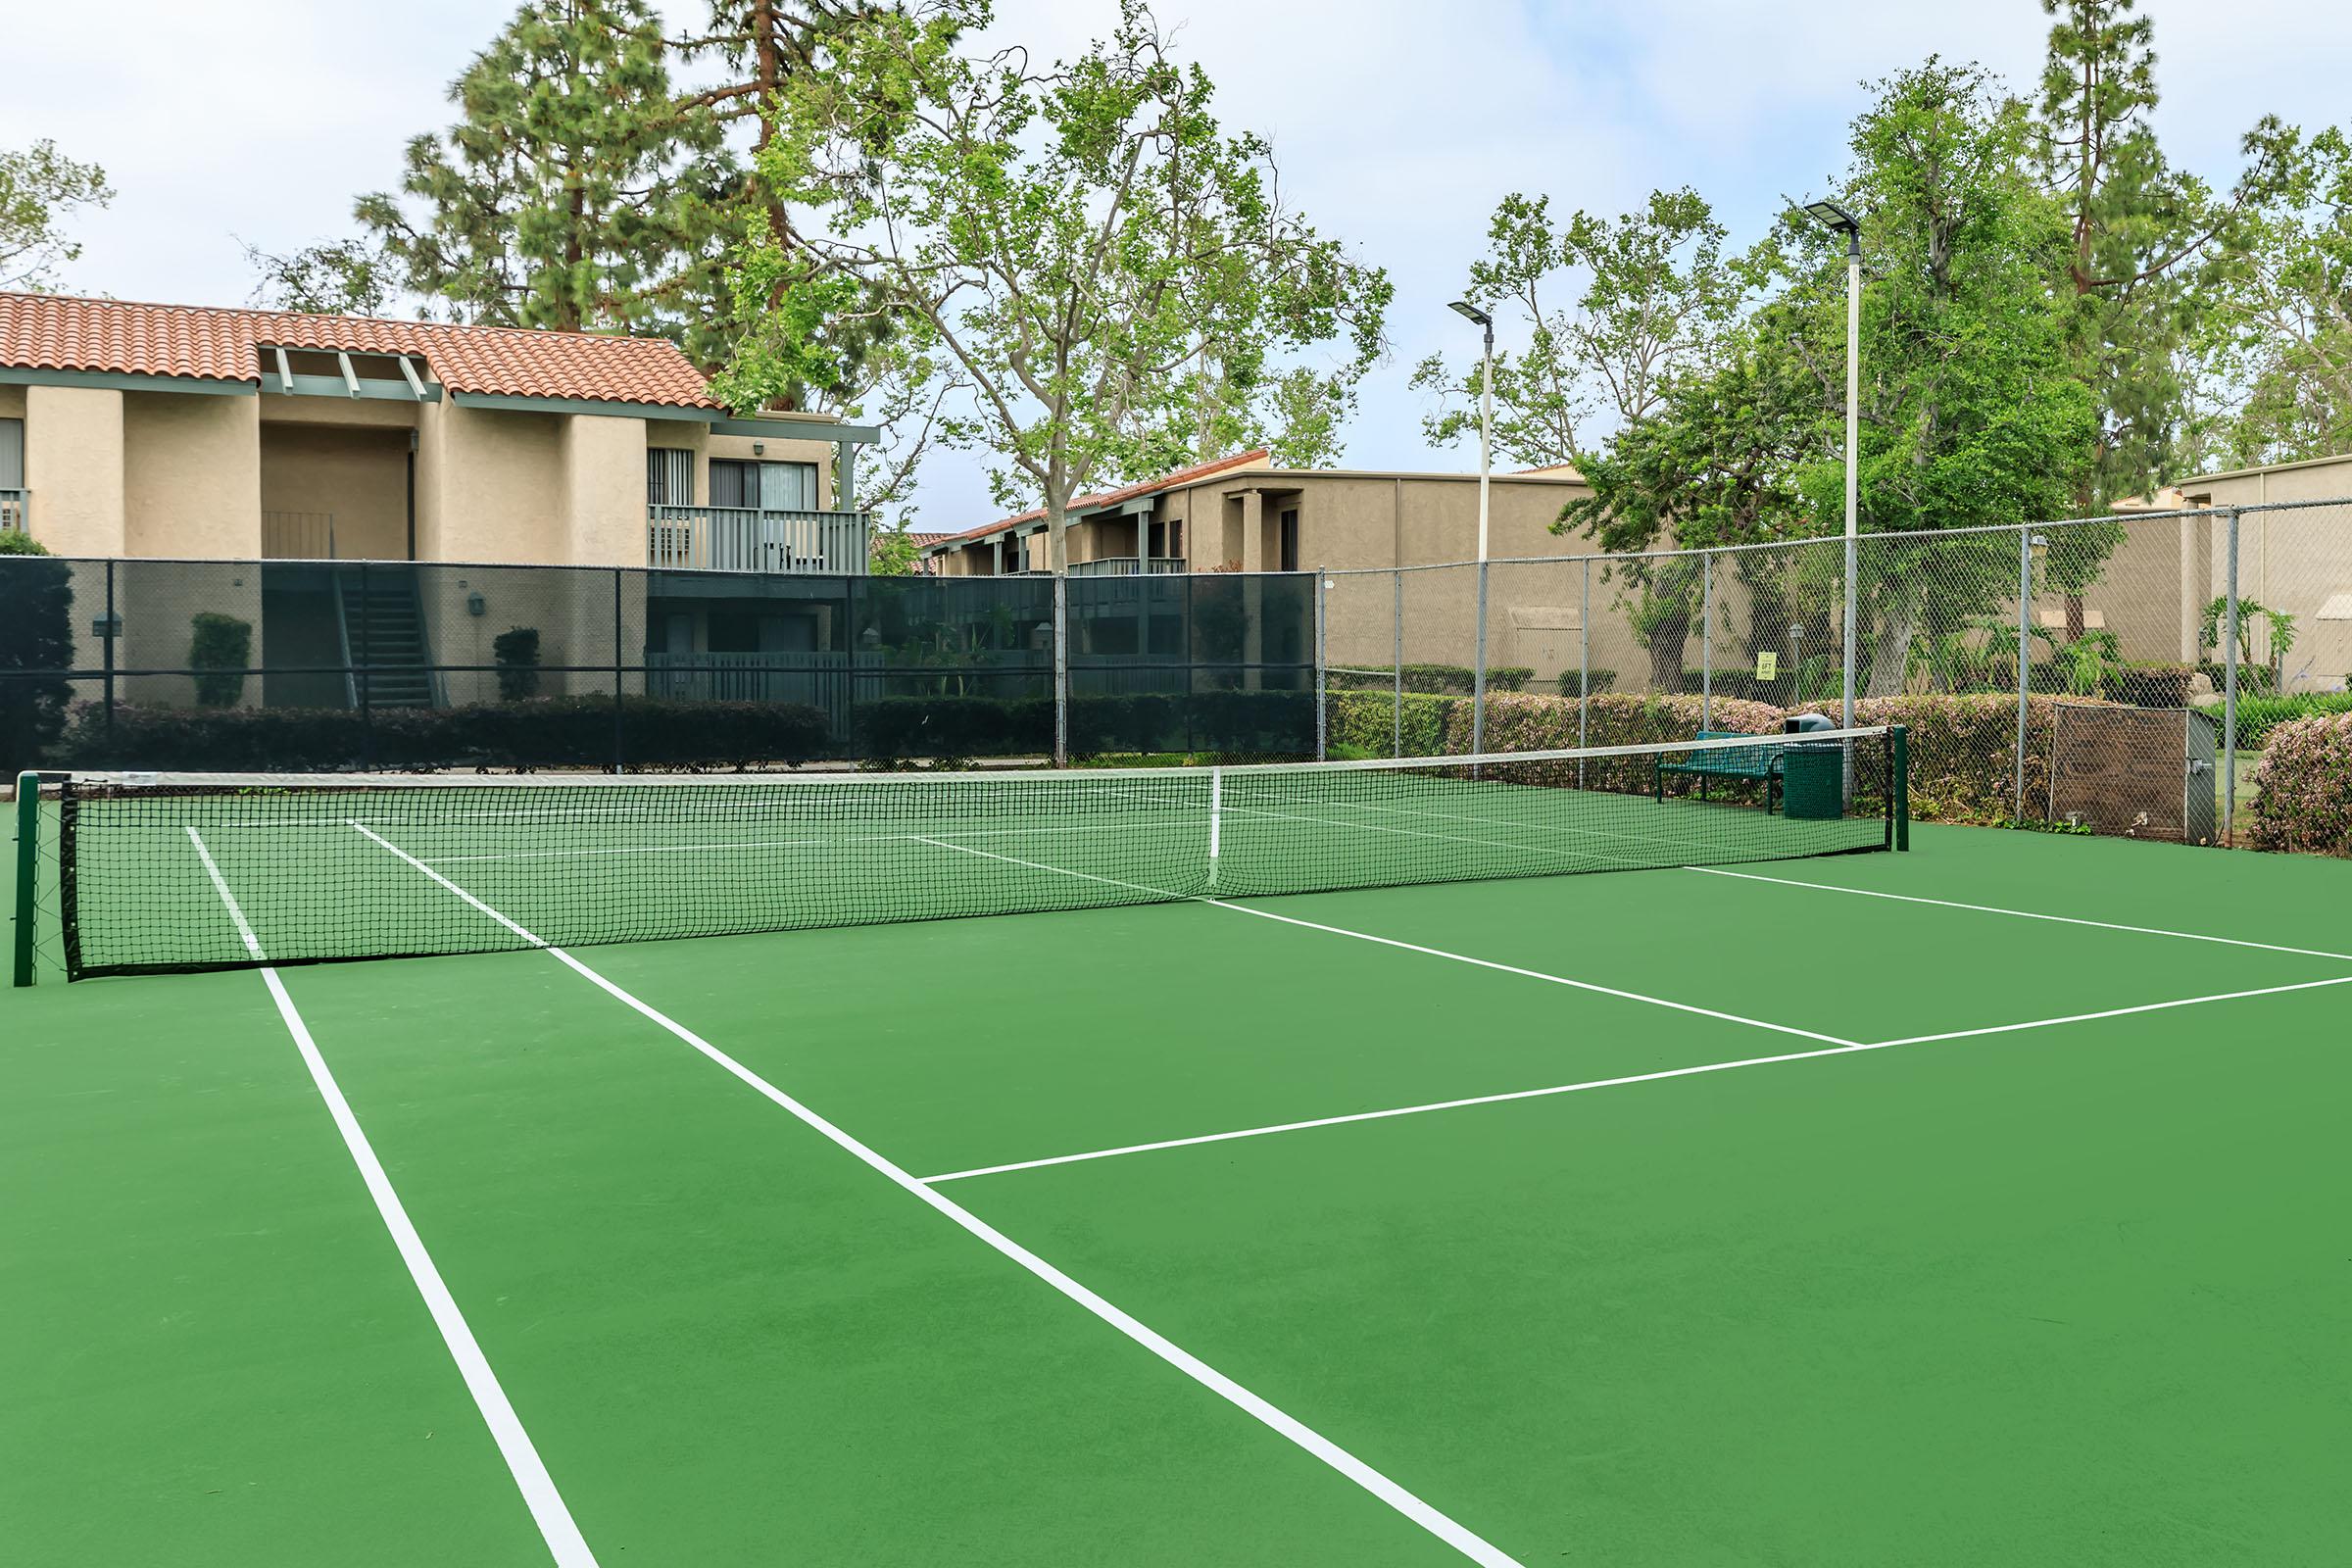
(758,448)
(476,605)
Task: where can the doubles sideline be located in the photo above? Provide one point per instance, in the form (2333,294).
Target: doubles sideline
(556,1526)
(1428,1518)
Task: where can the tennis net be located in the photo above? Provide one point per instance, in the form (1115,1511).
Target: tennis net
(350,866)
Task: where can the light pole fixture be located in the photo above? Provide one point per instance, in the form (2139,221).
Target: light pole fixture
(1833,217)
(1486,467)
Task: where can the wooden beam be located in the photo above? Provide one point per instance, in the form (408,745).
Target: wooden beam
(351,378)
(285,372)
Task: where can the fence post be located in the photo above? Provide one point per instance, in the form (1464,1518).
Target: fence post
(1478,682)
(110,647)
(1322,679)
(365,660)
(2229,655)
(2025,623)
(1396,660)
(1061,670)
(1706,642)
(618,749)
(1584,666)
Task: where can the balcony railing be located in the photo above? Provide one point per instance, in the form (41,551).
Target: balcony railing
(15,510)
(1125,567)
(748,539)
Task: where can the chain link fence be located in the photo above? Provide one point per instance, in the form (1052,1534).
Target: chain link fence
(298,665)
(2082,674)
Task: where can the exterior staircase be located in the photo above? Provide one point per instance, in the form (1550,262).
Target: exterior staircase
(383,633)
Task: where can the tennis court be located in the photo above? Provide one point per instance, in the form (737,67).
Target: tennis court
(1773,1204)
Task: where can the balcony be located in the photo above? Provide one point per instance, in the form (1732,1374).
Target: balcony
(1126,566)
(749,539)
(16,512)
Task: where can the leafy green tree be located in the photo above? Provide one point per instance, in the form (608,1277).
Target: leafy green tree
(574,191)
(1079,245)
(2282,349)
(39,189)
(1656,297)
(333,278)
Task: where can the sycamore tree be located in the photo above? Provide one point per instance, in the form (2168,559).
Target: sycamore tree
(42,187)
(1080,246)
(1611,310)
(574,191)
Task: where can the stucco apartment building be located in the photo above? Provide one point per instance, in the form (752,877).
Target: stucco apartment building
(1247,514)
(133,430)
(2298,560)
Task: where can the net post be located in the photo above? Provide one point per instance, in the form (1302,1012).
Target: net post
(1216,821)
(1898,785)
(28,853)
(1322,677)
(1061,670)
(2230,657)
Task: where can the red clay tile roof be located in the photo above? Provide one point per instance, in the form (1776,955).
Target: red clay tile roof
(1165,481)
(54,332)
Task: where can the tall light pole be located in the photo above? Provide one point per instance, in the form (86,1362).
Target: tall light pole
(1485,463)
(1837,217)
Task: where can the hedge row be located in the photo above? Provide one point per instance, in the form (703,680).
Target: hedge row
(1226,721)
(1963,749)
(1455,680)
(2304,799)
(2259,717)
(542,732)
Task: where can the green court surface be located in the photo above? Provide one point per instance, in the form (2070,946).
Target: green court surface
(1823,1212)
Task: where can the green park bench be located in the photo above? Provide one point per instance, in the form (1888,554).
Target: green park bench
(1761,760)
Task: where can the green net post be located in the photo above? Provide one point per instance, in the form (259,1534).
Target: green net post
(28,855)
(1898,793)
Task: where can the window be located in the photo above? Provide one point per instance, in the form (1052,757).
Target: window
(1290,539)
(668,476)
(763,486)
(12,453)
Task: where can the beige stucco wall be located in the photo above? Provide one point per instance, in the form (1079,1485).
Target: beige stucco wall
(603,491)
(74,468)
(191,472)
(356,474)
(490,485)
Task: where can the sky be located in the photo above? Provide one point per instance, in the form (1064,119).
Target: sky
(1398,125)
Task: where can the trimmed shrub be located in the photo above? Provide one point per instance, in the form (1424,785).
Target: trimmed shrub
(516,654)
(895,728)
(1598,680)
(1441,680)
(2151,685)
(2304,799)
(219,651)
(2259,717)
(546,732)
(1371,722)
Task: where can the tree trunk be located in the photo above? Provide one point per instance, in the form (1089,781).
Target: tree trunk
(1667,643)
(1890,654)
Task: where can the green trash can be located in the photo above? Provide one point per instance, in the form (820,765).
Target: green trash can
(1813,783)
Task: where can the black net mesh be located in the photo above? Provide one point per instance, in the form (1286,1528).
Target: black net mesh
(371,867)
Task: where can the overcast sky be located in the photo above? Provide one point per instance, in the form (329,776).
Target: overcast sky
(1398,124)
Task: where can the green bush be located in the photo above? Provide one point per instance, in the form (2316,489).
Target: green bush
(1443,681)
(2259,717)
(1596,680)
(545,732)
(221,650)
(2253,680)
(2304,786)
(1372,722)
(16,542)
(516,654)
(1245,723)
(2155,684)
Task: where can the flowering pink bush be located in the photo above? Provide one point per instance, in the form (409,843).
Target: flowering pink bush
(2305,788)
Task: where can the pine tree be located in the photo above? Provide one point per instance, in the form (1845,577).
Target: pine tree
(575,190)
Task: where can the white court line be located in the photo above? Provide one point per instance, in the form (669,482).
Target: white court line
(1609,1083)
(2022,914)
(555,1527)
(1437,1524)
(1407,947)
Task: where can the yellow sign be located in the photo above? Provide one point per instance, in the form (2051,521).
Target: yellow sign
(1768,666)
